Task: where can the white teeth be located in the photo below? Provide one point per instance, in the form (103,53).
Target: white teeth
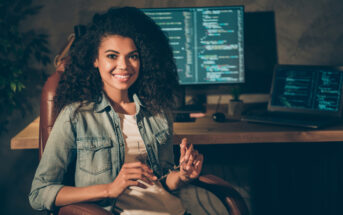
(122,76)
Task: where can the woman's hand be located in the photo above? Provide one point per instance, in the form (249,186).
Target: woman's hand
(129,175)
(190,161)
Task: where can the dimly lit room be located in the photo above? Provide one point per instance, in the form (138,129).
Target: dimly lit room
(247,94)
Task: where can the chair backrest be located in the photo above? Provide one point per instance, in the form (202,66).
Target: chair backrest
(48,113)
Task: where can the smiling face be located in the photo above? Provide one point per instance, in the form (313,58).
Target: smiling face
(118,63)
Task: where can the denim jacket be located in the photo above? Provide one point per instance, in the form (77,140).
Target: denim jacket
(90,140)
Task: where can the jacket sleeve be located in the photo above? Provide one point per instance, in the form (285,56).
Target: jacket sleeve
(166,152)
(58,153)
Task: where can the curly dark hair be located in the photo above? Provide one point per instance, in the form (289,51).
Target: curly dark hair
(81,81)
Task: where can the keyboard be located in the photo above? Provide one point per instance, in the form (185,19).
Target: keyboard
(290,120)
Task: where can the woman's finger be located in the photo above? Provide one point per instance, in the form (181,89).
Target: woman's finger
(147,168)
(196,157)
(188,153)
(140,172)
(139,176)
(135,165)
(138,165)
(129,183)
(191,160)
(183,148)
(196,166)
(199,162)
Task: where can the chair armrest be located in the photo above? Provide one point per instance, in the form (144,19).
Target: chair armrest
(231,198)
(83,209)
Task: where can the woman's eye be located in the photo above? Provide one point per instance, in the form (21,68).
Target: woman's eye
(112,56)
(134,57)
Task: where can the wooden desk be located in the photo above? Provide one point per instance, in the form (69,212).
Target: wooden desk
(206,131)
(27,138)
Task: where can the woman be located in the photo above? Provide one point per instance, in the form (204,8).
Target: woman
(114,125)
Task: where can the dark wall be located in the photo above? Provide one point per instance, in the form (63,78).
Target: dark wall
(306,32)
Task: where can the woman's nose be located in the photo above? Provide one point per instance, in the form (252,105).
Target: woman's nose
(122,63)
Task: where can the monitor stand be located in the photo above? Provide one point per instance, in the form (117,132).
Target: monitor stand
(197,104)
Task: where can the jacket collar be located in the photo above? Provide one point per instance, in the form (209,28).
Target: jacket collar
(105,103)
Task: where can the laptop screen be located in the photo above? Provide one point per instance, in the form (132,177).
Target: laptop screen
(307,89)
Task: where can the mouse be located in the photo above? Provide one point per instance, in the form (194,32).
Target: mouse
(218,117)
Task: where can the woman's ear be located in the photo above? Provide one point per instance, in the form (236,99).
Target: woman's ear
(96,63)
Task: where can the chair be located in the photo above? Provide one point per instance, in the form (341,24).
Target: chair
(231,198)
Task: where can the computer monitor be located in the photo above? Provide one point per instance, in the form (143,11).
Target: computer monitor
(207,42)
(208,48)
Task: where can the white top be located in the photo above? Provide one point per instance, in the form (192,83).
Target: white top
(153,200)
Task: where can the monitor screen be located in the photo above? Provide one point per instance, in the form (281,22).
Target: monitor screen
(307,88)
(207,42)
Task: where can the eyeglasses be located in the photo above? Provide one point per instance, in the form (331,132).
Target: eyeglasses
(175,168)
(143,158)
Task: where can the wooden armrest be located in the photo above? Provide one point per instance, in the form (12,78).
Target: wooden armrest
(231,198)
(83,209)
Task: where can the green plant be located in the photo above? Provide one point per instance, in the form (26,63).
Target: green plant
(23,56)
(236,92)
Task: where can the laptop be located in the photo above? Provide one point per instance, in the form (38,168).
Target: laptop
(303,96)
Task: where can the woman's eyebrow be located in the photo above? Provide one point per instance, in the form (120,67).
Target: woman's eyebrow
(134,51)
(110,50)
